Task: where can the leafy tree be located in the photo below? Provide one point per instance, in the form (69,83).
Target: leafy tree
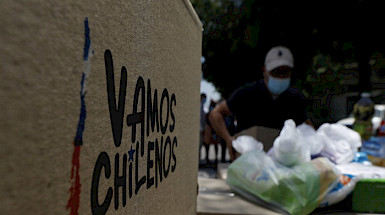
(238,34)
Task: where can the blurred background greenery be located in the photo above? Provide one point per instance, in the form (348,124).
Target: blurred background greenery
(338,48)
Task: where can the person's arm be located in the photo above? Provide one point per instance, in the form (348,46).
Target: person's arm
(217,121)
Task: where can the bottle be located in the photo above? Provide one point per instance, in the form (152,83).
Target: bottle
(381,129)
(363,111)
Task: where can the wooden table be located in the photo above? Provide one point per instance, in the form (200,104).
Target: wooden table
(215,197)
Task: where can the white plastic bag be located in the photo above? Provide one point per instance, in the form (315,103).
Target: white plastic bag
(359,169)
(311,138)
(289,147)
(341,143)
(246,143)
(341,132)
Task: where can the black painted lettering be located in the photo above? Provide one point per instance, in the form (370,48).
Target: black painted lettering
(116,114)
(138,117)
(150,164)
(103,161)
(158,161)
(167,142)
(163,127)
(174,144)
(173,100)
(152,110)
(158,113)
(130,180)
(138,183)
(120,181)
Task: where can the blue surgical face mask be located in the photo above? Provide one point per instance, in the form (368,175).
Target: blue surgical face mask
(278,85)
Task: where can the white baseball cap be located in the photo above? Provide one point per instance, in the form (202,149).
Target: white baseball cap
(278,56)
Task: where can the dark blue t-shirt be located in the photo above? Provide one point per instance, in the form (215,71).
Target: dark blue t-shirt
(253,105)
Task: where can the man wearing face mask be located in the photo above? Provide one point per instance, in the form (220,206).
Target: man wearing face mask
(268,102)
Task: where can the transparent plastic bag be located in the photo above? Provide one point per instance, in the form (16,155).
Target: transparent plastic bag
(246,143)
(289,147)
(296,190)
(311,138)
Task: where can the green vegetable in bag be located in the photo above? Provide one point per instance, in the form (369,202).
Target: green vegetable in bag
(297,190)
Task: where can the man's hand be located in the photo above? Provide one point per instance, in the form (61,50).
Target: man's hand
(218,123)
(229,143)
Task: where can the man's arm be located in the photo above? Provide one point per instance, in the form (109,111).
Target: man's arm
(217,121)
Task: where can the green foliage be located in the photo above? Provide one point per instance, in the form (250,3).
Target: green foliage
(237,36)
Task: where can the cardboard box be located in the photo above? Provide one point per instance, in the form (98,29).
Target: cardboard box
(377,161)
(262,134)
(99,107)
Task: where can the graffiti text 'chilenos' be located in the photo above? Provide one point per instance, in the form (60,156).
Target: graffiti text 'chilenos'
(153,115)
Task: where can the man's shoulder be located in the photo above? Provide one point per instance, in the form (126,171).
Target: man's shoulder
(250,87)
(242,96)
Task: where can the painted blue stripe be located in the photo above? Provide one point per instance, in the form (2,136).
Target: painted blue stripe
(82,117)
(87,41)
(83,112)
